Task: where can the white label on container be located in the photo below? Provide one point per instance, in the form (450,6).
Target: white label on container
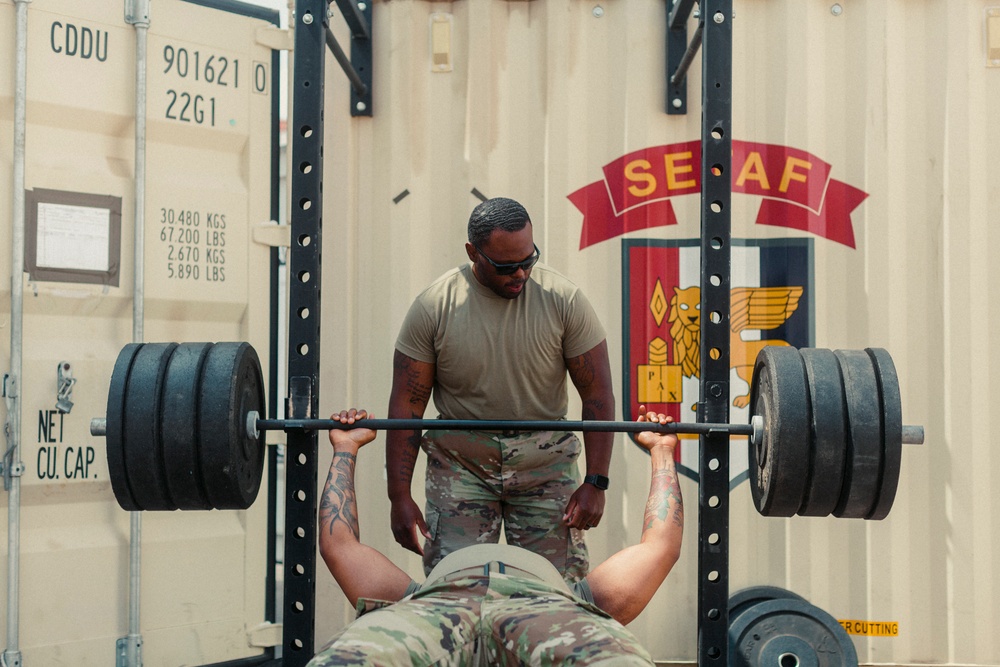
(73,237)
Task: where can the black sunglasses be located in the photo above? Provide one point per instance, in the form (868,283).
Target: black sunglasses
(508,269)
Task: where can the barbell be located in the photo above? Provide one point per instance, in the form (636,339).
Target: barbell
(184,421)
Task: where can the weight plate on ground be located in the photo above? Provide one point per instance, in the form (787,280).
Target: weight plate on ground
(789,632)
(232,462)
(179,430)
(114,429)
(827,432)
(779,463)
(745,598)
(892,430)
(864,435)
(143,445)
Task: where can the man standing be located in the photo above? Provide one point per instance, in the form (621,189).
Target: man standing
(494,339)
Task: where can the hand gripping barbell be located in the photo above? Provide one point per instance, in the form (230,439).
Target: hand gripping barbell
(183,428)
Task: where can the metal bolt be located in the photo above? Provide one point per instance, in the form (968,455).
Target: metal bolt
(719,17)
(836,9)
(362,6)
(360,106)
(598,11)
(307,19)
(677,103)
(716,390)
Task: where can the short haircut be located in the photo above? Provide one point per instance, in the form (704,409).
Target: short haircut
(497,213)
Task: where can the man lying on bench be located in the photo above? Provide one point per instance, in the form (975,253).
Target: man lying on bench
(493,604)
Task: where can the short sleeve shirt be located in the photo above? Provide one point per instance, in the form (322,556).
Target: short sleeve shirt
(498,358)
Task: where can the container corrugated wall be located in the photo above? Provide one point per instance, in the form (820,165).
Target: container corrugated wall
(209,146)
(895,100)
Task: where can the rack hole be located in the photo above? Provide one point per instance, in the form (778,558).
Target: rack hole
(303,313)
(715,353)
(306,131)
(304,276)
(305,203)
(303,350)
(305,240)
(305,167)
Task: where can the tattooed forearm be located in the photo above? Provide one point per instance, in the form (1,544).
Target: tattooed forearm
(407,457)
(339,502)
(664,500)
(595,409)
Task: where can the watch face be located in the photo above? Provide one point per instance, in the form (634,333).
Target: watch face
(600,481)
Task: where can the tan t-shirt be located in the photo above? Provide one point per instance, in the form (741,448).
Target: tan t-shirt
(499,358)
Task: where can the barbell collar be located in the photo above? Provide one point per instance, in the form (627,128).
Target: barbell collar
(913,435)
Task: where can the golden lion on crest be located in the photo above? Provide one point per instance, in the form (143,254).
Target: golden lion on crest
(751,308)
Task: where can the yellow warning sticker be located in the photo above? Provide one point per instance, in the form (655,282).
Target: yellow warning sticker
(871,628)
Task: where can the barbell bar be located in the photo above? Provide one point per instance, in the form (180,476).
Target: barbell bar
(183,429)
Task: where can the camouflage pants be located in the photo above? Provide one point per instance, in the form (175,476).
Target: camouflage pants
(478,480)
(472,618)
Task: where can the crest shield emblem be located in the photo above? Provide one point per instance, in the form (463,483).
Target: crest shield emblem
(771,304)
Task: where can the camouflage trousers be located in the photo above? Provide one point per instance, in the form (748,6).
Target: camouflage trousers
(472,618)
(477,481)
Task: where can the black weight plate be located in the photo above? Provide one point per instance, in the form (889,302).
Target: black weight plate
(114,433)
(745,598)
(789,632)
(143,417)
(180,426)
(779,464)
(864,435)
(892,430)
(827,432)
(232,462)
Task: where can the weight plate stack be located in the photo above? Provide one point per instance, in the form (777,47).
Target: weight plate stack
(232,462)
(827,432)
(115,433)
(745,598)
(789,632)
(864,435)
(779,464)
(892,430)
(180,428)
(143,443)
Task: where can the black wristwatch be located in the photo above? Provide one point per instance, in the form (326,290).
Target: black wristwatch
(600,481)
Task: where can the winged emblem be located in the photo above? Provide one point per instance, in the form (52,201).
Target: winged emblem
(751,309)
